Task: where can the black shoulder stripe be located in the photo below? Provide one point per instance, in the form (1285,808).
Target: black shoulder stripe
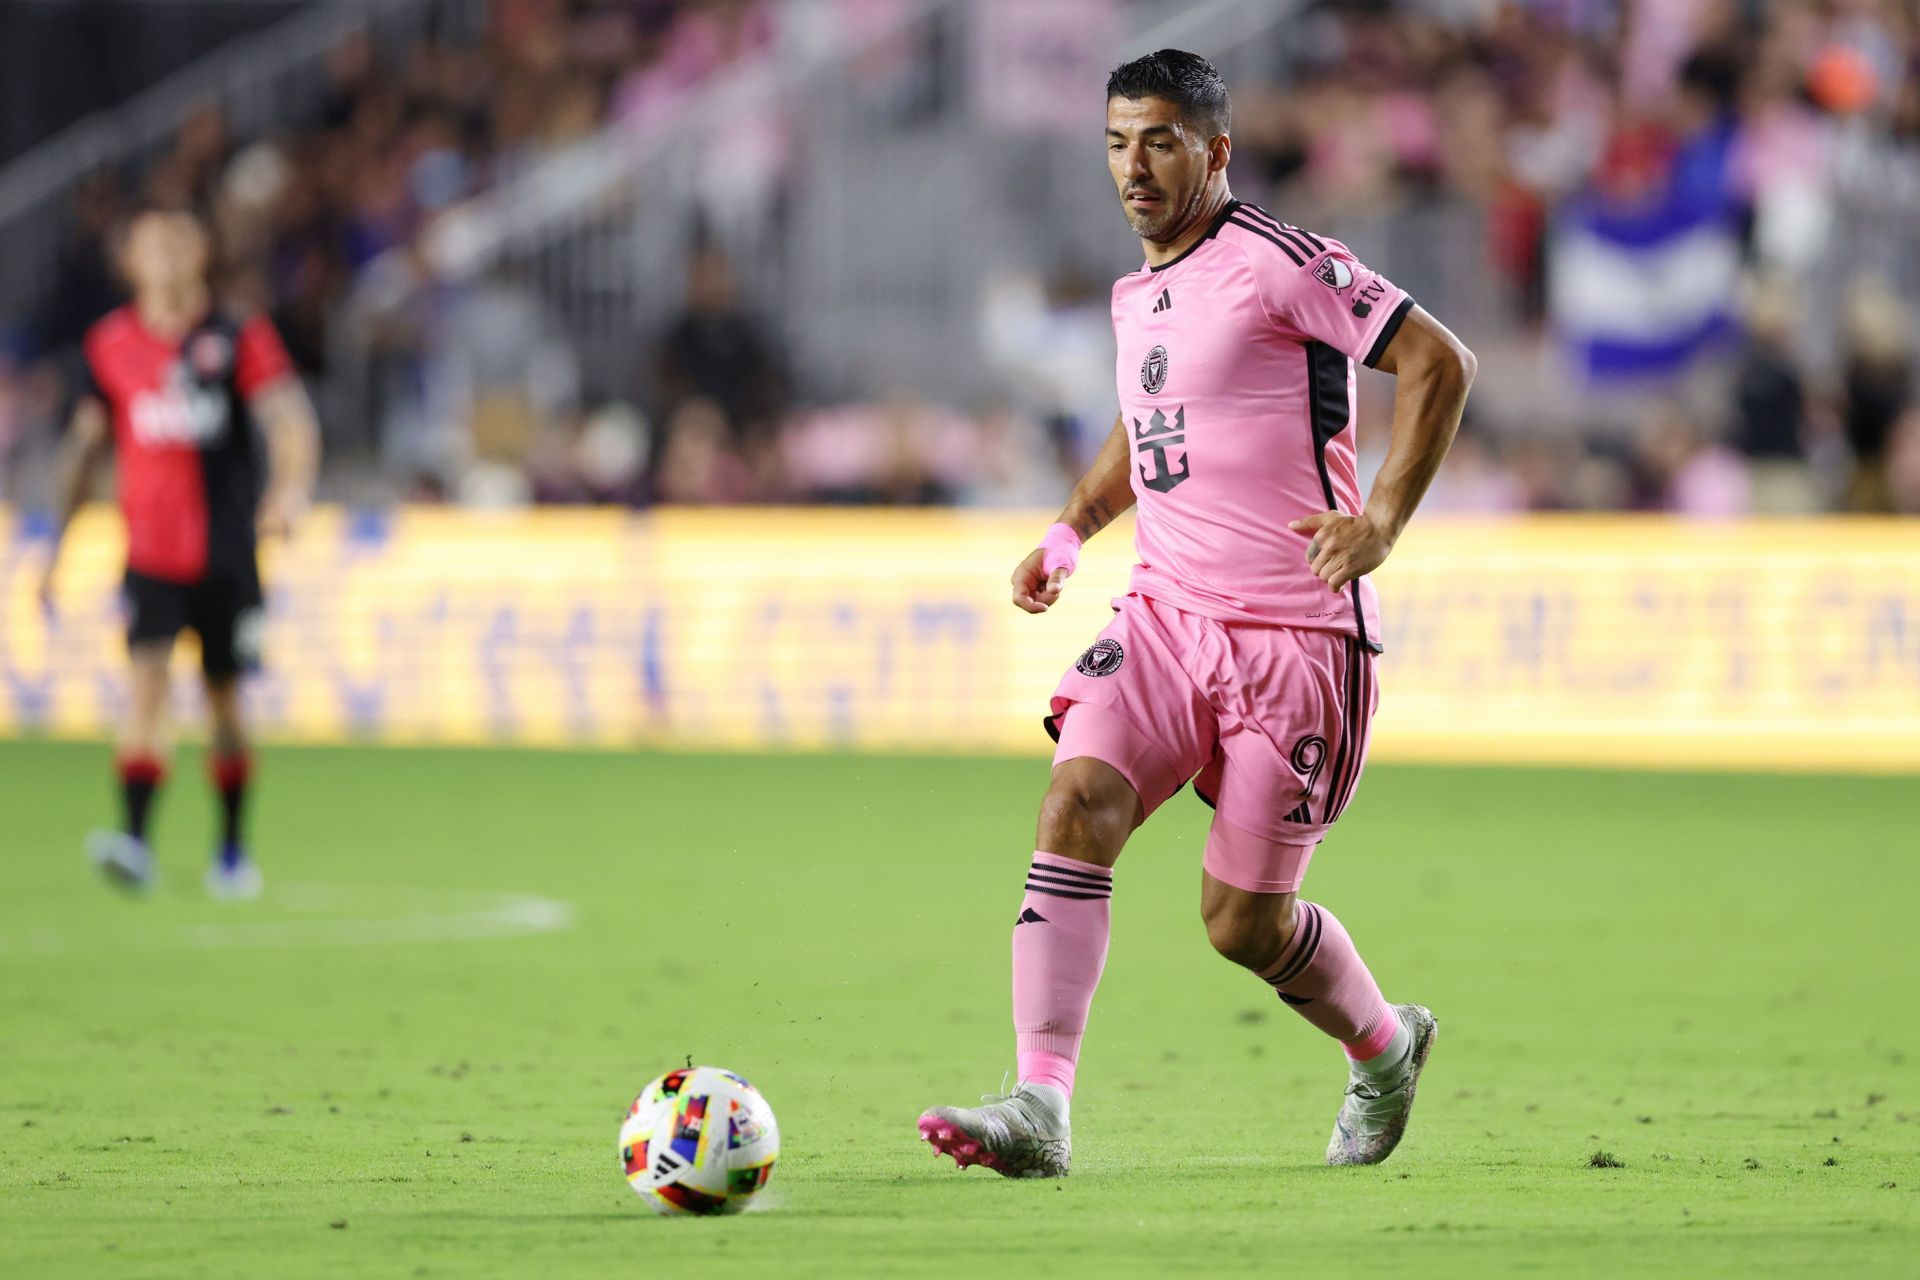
(1300,240)
(1300,235)
(1270,237)
(1264,216)
(1291,235)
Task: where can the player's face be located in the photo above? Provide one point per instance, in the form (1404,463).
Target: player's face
(1160,165)
(164,252)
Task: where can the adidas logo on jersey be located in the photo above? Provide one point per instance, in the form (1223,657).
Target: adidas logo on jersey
(1164,302)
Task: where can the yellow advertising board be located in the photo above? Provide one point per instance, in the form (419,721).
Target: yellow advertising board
(1602,640)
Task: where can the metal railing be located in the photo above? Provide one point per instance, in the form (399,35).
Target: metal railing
(869,240)
(259,82)
(872,255)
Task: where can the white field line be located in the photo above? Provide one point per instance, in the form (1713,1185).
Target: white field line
(429,915)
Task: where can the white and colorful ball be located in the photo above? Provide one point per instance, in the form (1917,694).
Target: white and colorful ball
(699,1141)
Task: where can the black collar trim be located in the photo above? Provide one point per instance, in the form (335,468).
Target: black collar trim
(1220,220)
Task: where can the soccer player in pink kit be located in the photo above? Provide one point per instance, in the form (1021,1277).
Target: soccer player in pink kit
(1242,658)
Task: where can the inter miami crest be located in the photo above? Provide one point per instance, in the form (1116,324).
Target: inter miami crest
(1102,658)
(1153,370)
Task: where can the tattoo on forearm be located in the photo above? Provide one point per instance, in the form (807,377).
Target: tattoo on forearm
(1098,515)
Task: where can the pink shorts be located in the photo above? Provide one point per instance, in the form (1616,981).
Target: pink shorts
(1269,723)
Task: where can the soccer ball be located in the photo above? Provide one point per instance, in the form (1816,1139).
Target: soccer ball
(699,1141)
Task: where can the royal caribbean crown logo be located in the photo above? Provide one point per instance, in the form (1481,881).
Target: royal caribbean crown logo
(1156,437)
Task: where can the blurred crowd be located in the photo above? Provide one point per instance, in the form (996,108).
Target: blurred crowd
(1801,118)
(1796,113)
(322,214)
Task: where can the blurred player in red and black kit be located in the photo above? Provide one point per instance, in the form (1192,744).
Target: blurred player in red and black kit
(175,387)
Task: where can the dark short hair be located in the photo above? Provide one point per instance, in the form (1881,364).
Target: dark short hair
(1187,80)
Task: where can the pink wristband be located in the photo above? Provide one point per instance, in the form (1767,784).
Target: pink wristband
(1062,546)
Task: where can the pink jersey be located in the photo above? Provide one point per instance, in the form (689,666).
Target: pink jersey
(1236,387)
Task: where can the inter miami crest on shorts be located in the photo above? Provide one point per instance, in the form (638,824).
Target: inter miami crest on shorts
(1102,658)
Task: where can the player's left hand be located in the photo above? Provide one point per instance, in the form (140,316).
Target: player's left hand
(1340,547)
(280,510)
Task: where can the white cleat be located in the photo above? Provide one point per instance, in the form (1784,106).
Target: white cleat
(127,863)
(1022,1135)
(235,881)
(1373,1119)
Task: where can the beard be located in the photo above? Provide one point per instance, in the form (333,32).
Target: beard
(1157,226)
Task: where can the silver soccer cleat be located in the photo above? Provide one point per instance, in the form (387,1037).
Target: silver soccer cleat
(1373,1118)
(127,863)
(1017,1136)
(238,880)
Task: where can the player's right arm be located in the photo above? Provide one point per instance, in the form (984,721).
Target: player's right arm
(265,376)
(82,451)
(292,430)
(1103,493)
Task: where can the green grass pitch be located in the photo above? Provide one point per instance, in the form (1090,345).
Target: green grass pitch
(413,1057)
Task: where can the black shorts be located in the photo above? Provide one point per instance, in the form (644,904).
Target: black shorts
(223,609)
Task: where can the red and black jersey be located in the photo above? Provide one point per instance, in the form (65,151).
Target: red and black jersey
(183,437)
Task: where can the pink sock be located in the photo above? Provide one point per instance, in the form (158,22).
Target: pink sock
(1322,976)
(1059,948)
